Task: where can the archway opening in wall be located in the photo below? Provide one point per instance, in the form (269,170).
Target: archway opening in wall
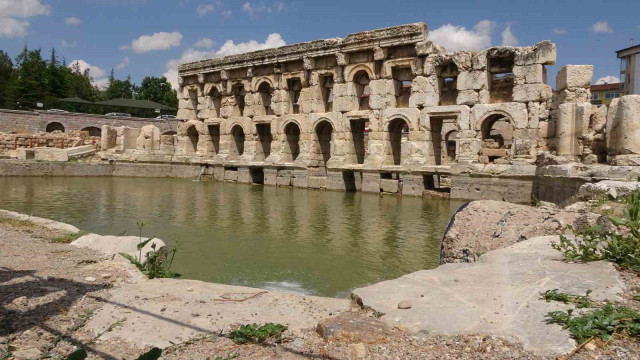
(324,133)
(54,126)
(398,133)
(238,139)
(214,133)
(264,136)
(327,92)
(193,137)
(216,100)
(497,139)
(361,81)
(93,131)
(239,93)
(359,136)
(266,94)
(292,134)
(169,133)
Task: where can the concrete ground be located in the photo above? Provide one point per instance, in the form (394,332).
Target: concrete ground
(498,295)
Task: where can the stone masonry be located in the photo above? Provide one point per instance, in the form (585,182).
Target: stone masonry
(383,110)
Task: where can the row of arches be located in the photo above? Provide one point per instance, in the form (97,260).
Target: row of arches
(56,126)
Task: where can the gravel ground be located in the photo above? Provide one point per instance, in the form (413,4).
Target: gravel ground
(48,291)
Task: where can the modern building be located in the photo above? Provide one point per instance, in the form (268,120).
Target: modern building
(630,69)
(603,94)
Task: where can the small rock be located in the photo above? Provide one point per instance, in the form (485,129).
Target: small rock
(105,276)
(90,279)
(190,289)
(20,301)
(358,351)
(27,354)
(590,347)
(404,304)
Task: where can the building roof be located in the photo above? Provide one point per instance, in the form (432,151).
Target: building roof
(137,104)
(628,51)
(605,87)
(76,100)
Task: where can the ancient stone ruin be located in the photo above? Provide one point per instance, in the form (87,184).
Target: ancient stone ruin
(383,110)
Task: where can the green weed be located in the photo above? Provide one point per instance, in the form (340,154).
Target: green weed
(257,334)
(602,323)
(579,300)
(158,264)
(68,238)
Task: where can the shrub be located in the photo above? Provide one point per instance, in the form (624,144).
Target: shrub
(258,334)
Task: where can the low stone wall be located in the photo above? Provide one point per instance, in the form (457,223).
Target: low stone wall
(12,142)
(35,168)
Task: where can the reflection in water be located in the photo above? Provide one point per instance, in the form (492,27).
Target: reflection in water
(307,241)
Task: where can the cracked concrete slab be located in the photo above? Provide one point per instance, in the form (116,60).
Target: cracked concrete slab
(179,310)
(498,295)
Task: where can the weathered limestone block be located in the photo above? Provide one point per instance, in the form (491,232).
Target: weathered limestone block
(517,112)
(228,107)
(149,138)
(412,185)
(532,92)
(126,138)
(479,61)
(472,80)
(534,114)
(467,149)
(569,127)
(623,126)
(574,76)
(424,92)
(108,137)
(598,121)
(390,186)
(344,98)
(253,105)
(528,74)
(280,102)
(50,154)
(574,95)
(167,144)
(462,112)
(467,97)
(383,94)
(371,182)
(542,53)
(311,100)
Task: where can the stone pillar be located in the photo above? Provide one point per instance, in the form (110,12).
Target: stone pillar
(371,182)
(623,131)
(108,137)
(572,118)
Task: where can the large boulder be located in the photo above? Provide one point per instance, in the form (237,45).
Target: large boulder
(112,245)
(485,225)
(607,189)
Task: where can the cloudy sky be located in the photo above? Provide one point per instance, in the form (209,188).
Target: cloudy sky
(151,37)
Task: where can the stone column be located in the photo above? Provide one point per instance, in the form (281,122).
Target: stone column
(623,130)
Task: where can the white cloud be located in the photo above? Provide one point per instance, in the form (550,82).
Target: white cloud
(69,44)
(601,27)
(607,80)
(257,8)
(228,48)
(204,9)
(72,21)
(204,43)
(12,10)
(226,13)
(123,64)
(458,38)
(99,76)
(10,27)
(23,8)
(560,31)
(508,39)
(157,41)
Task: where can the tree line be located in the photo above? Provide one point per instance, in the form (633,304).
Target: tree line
(29,80)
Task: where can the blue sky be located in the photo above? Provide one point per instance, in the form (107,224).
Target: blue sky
(150,37)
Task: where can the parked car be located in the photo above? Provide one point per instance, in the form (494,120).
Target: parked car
(165,117)
(119,114)
(57,110)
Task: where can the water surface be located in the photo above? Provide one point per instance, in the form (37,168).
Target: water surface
(307,241)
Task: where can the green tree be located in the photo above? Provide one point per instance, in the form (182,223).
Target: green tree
(79,83)
(56,77)
(158,90)
(31,84)
(6,80)
(120,89)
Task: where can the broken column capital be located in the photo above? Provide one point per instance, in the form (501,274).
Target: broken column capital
(201,78)
(343,59)
(379,53)
(223,75)
(308,63)
(250,72)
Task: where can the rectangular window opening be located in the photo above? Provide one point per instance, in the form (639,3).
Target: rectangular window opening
(295,87)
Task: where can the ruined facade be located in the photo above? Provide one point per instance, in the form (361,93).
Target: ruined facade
(382,110)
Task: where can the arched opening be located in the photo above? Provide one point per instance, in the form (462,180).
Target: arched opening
(363,91)
(327,92)
(54,126)
(324,133)
(450,143)
(398,133)
(266,92)
(292,133)
(216,100)
(93,131)
(497,138)
(214,134)
(238,139)
(193,138)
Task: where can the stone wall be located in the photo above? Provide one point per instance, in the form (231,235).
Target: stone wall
(10,143)
(12,121)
